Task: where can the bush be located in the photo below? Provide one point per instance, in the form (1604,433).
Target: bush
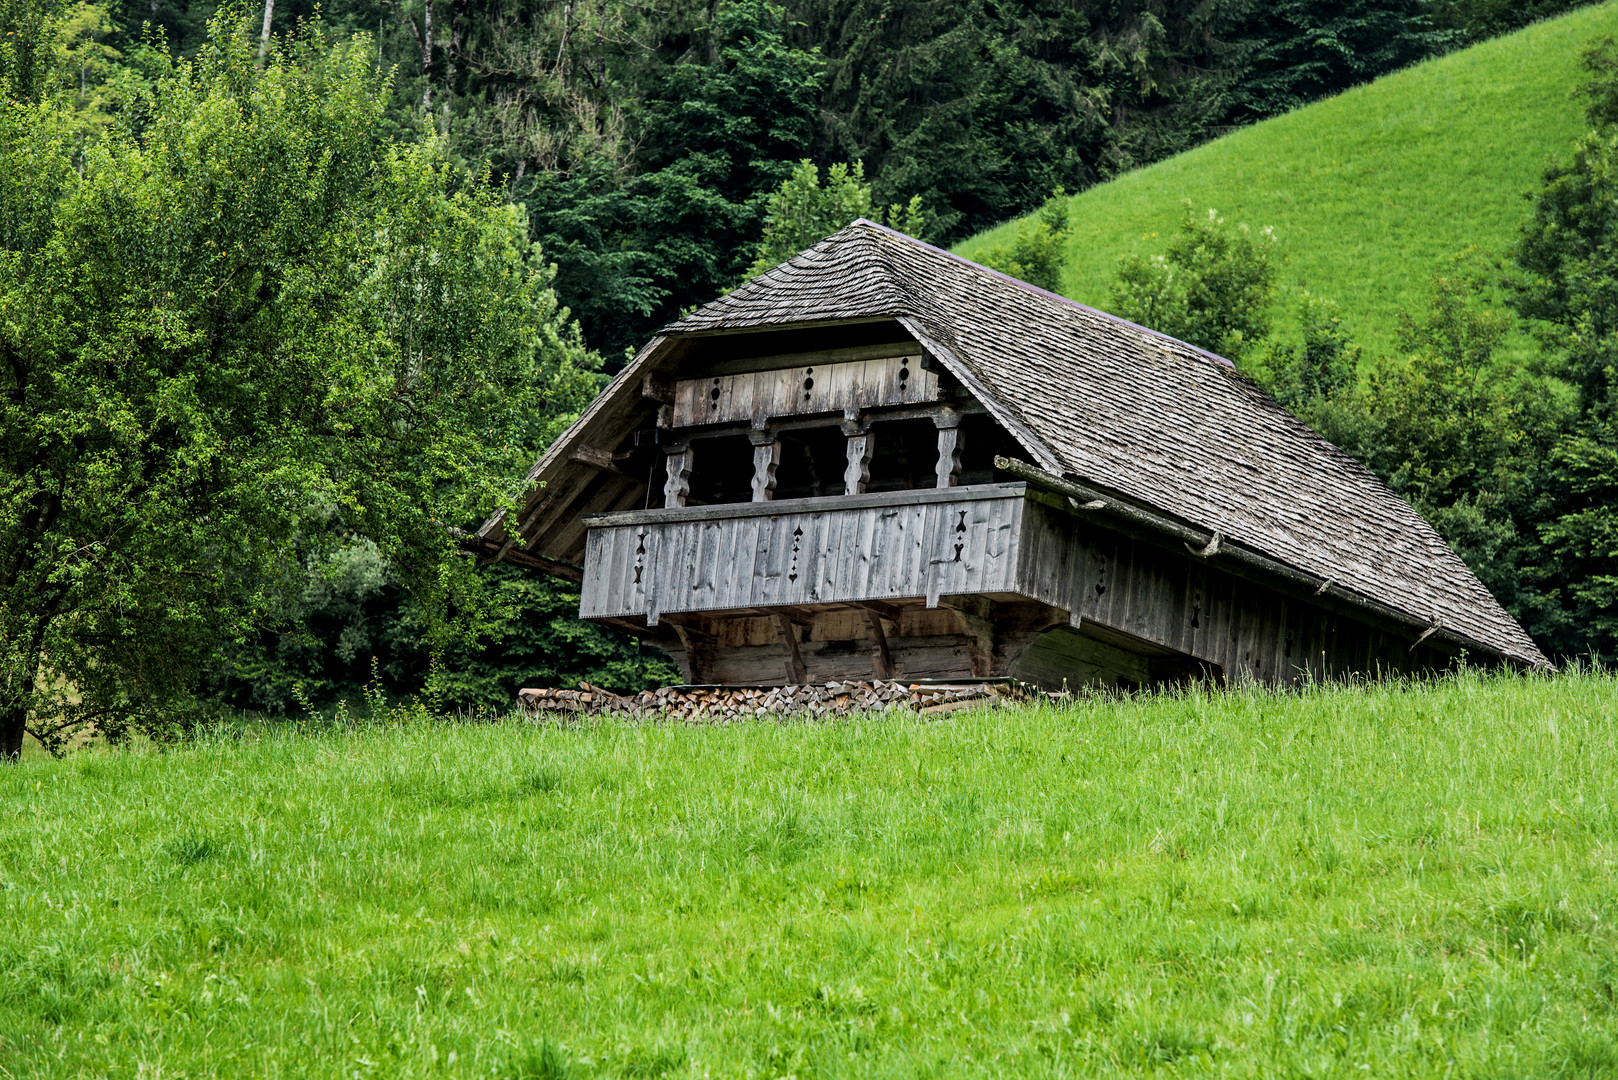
(1210,288)
(356,628)
(1039,250)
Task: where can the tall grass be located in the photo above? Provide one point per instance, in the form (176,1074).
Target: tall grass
(1401,880)
(1368,190)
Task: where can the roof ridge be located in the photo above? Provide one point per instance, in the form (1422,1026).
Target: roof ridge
(1036,290)
(895,298)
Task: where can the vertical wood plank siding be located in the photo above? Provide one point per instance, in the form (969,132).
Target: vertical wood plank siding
(1190,606)
(1142,609)
(804,390)
(805,551)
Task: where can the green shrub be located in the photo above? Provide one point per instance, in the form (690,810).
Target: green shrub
(1322,366)
(1210,288)
(1039,250)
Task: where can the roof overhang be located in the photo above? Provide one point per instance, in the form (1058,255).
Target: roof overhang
(1246,562)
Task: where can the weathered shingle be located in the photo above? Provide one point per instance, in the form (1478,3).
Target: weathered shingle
(1137,412)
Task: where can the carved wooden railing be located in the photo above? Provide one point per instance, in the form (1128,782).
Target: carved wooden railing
(802,552)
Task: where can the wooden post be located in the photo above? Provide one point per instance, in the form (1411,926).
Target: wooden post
(979,644)
(699,653)
(766,459)
(678,486)
(977,626)
(861,445)
(879,644)
(796,672)
(949,447)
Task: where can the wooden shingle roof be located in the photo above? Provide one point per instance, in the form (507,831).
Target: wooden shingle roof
(1134,412)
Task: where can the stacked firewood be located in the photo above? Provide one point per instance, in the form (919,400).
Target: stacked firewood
(721,704)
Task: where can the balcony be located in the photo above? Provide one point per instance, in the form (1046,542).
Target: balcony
(985,581)
(803,553)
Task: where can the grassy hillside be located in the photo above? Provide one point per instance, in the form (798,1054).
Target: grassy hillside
(1370,189)
(1376,882)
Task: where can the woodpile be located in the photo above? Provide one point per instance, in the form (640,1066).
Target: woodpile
(724,704)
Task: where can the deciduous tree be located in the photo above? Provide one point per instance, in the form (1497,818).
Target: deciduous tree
(803,212)
(253,317)
(1569,250)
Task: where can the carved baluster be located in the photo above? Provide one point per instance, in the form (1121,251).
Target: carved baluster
(766,459)
(949,447)
(861,445)
(678,486)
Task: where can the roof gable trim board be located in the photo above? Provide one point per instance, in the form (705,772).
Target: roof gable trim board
(557,452)
(989,400)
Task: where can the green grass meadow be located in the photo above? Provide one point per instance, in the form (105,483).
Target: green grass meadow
(1395,880)
(1368,191)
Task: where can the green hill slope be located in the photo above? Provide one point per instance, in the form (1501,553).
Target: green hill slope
(1369,190)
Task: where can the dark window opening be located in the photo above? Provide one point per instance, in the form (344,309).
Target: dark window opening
(812,463)
(640,456)
(731,348)
(981,440)
(905,455)
(721,470)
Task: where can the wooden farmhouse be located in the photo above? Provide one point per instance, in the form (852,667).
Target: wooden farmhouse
(879,459)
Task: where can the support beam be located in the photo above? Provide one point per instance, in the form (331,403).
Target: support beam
(555,567)
(699,652)
(889,611)
(881,657)
(980,644)
(949,447)
(657,388)
(677,488)
(596,458)
(802,616)
(766,459)
(978,627)
(796,672)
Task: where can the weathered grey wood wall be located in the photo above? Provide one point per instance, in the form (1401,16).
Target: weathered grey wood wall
(804,389)
(970,582)
(1198,608)
(834,645)
(802,552)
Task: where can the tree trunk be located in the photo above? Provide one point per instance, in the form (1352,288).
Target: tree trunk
(12,719)
(264,38)
(452,54)
(427,56)
(561,49)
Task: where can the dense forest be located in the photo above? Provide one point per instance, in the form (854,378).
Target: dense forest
(619,161)
(645,139)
